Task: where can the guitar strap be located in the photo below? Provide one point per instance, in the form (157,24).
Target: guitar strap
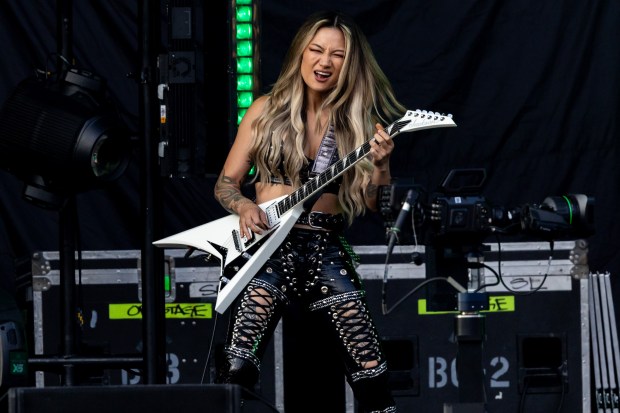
(327,153)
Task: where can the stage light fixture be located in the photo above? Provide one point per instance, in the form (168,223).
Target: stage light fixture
(62,137)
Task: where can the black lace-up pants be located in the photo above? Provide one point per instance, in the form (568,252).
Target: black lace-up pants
(315,268)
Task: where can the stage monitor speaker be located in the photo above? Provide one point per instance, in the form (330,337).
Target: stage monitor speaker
(192,398)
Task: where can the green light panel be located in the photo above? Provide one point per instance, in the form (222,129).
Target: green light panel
(244,48)
(243,31)
(244,82)
(245,99)
(244,14)
(244,65)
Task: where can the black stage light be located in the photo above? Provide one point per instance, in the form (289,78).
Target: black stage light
(62,137)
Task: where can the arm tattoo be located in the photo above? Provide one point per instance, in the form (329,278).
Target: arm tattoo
(228,194)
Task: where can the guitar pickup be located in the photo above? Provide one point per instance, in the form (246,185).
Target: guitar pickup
(239,242)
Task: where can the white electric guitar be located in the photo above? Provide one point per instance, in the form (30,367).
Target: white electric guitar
(241,258)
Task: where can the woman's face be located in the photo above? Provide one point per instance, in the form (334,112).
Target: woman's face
(322,60)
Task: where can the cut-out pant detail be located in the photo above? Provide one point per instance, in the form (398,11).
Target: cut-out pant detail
(315,269)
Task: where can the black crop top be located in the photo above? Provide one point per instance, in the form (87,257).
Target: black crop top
(305,175)
(331,188)
(327,155)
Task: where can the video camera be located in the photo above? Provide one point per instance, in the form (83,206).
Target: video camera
(458,213)
(453,222)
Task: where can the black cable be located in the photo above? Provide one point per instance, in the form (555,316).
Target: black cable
(497,277)
(522,399)
(261,398)
(535,290)
(206,258)
(525,387)
(422,284)
(562,395)
(206,365)
(210,348)
(501,279)
(562,375)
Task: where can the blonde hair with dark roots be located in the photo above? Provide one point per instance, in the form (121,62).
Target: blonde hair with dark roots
(362,97)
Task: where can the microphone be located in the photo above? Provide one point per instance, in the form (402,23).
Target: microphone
(398,225)
(400,220)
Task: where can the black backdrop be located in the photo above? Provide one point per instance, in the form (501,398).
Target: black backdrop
(532,85)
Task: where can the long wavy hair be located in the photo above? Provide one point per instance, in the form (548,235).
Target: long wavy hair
(363,96)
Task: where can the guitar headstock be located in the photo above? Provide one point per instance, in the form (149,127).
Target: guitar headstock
(418,120)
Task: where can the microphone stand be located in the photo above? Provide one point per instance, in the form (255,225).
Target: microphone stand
(410,199)
(470,333)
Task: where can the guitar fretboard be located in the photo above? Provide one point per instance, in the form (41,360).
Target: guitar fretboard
(421,120)
(325,177)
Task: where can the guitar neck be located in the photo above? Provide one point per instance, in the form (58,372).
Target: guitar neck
(328,175)
(417,120)
(324,178)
